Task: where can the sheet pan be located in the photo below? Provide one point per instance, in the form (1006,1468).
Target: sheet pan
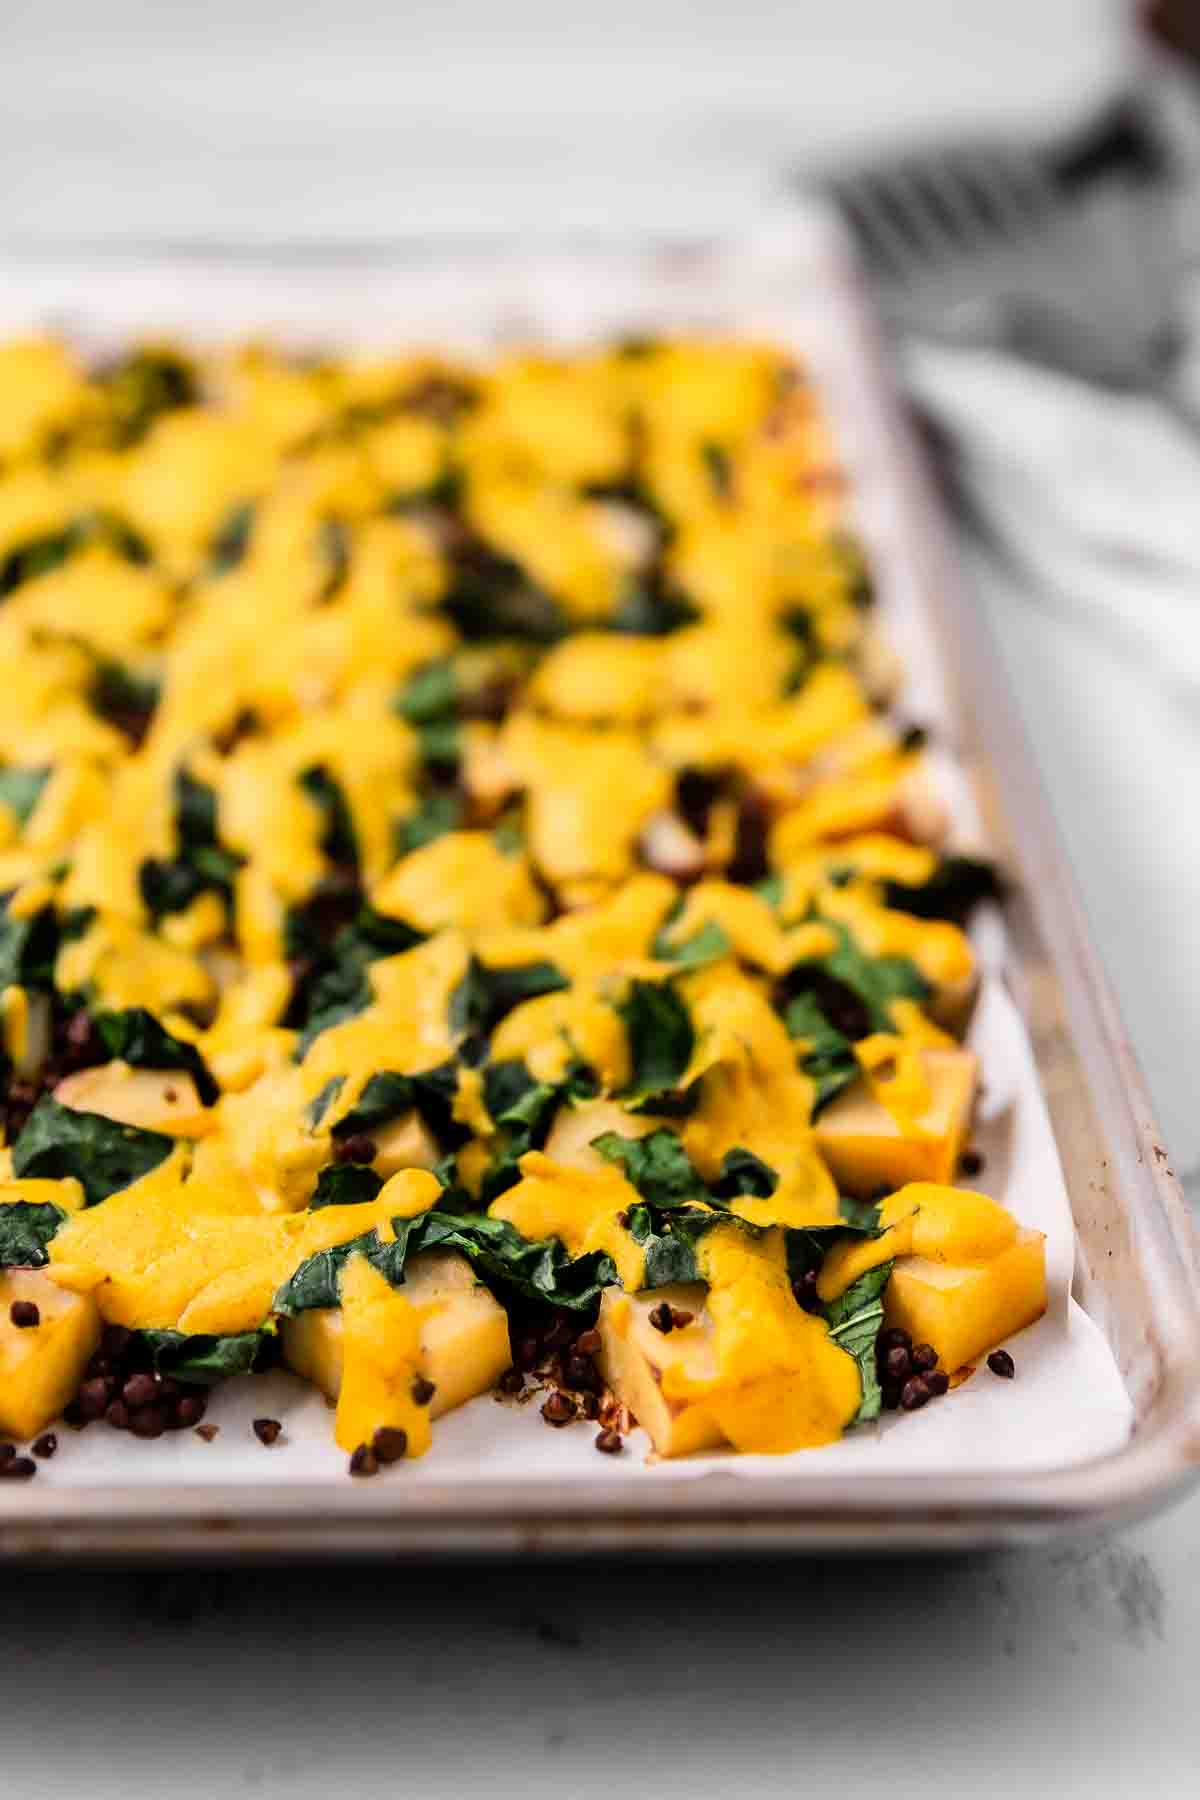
(1121,1241)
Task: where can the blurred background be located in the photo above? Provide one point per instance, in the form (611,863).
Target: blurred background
(364,121)
(236,125)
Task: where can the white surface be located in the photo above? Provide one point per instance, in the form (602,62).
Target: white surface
(363,120)
(1064,1673)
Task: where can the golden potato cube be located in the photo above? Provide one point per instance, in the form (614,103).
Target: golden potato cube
(865,1147)
(41,1365)
(633,1354)
(964,1310)
(404,1143)
(152,1099)
(464,1337)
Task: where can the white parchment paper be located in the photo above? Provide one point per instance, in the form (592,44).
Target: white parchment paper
(1067,1404)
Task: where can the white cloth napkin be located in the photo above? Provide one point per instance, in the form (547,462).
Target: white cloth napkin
(1094,496)
(1094,499)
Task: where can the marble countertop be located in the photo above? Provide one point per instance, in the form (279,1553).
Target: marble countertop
(1062,1672)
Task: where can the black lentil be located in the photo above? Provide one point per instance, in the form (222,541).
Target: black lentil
(17,1468)
(914,1394)
(609,1441)
(1002,1364)
(364,1461)
(116,1341)
(357,1148)
(95,1395)
(389,1443)
(422,1391)
(662,1318)
(45,1445)
(139,1390)
(148,1422)
(267,1431)
(580,1373)
(25,1314)
(805,1291)
(559,1409)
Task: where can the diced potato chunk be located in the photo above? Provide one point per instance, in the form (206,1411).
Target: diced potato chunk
(152,1099)
(633,1354)
(865,1147)
(570,1139)
(464,1337)
(41,1365)
(404,1143)
(965,1309)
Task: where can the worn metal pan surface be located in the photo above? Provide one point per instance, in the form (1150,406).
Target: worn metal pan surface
(1137,1265)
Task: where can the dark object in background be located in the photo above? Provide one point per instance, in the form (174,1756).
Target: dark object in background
(1175,23)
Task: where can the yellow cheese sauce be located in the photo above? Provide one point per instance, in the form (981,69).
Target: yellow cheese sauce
(409,765)
(781,1383)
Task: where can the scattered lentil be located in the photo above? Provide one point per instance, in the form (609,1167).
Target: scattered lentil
(662,1318)
(971,1162)
(207,1432)
(267,1431)
(805,1291)
(357,1148)
(139,1390)
(423,1391)
(389,1443)
(24,1314)
(17,1468)
(559,1409)
(364,1461)
(45,1445)
(681,1319)
(579,1372)
(609,1441)
(1001,1363)
(914,1394)
(94,1396)
(148,1422)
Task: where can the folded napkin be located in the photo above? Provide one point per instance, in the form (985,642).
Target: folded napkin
(1093,497)
(1093,500)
